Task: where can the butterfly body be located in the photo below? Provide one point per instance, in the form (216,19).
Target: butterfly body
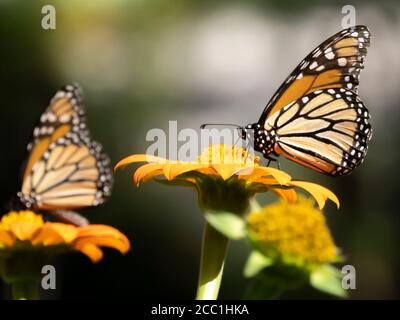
(316,117)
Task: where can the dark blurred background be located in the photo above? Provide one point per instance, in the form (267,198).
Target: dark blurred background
(142,63)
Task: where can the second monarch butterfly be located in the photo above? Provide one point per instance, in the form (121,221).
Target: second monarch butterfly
(316,117)
(65,169)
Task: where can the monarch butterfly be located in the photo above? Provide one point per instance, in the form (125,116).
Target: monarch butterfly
(316,117)
(65,169)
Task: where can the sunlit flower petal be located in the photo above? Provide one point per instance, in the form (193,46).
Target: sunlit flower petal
(21,225)
(33,233)
(147,169)
(102,235)
(7,239)
(93,252)
(225,171)
(260,172)
(288,195)
(139,158)
(175,169)
(222,163)
(321,194)
(55,233)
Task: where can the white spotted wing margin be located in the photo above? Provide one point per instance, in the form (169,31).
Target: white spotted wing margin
(335,63)
(327,130)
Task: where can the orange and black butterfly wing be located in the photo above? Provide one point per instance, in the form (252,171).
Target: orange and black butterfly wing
(65,168)
(327,130)
(336,63)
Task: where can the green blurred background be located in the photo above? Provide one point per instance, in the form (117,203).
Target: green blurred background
(142,63)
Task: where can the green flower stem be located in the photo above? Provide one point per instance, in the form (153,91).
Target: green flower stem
(25,290)
(213,255)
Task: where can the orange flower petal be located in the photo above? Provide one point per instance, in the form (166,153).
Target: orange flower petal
(150,175)
(139,158)
(103,235)
(280,176)
(321,194)
(266,181)
(226,170)
(90,250)
(145,170)
(6,238)
(53,233)
(288,195)
(24,231)
(66,231)
(175,169)
(47,236)
(208,171)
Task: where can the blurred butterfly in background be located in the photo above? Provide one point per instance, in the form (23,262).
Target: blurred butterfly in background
(316,117)
(65,169)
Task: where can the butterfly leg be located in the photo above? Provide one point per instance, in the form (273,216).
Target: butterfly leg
(270,159)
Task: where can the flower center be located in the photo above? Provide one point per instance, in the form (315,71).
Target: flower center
(228,154)
(293,230)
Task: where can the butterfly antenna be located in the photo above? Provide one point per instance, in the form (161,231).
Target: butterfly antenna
(219,124)
(247,151)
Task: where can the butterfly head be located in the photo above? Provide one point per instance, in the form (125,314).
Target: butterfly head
(263,140)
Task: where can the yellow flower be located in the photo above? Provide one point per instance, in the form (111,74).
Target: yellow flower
(225,177)
(26,230)
(292,232)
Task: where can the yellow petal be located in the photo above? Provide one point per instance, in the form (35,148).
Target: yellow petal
(47,236)
(139,158)
(173,170)
(24,231)
(66,231)
(6,238)
(288,195)
(150,175)
(320,193)
(266,181)
(145,170)
(90,250)
(226,170)
(208,171)
(280,176)
(102,235)
(53,233)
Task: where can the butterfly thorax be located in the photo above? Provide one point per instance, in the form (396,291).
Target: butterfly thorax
(263,139)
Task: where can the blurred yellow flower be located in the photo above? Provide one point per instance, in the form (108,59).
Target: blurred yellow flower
(229,167)
(27,230)
(292,232)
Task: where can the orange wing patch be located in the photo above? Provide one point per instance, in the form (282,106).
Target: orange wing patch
(336,63)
